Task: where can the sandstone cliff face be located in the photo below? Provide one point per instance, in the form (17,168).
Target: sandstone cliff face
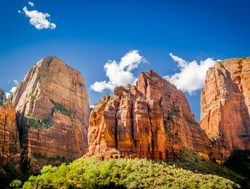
(151,119)
(9,136)
(225,106)
(52,111)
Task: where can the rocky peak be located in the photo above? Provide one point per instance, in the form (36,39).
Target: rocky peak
(151,119)
(2,96)
(52,107)
(225,106)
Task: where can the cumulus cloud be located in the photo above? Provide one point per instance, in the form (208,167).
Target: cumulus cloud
(191,76)
(119,73)
(31,4)
(38,19)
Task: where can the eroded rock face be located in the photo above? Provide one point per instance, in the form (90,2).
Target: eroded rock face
(225,106)
(52,111)
(9,136)
(2,96)
(152,120)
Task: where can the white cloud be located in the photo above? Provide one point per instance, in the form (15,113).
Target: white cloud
(181,62)
(31,4)
(100,86)
(119,73)
(192,74)
(7,95)
(12,90)
(38,19)
(16,81)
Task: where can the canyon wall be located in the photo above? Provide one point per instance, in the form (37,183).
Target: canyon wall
(225,107)
(152,119)
(9,135)
(52,112)
(149,120)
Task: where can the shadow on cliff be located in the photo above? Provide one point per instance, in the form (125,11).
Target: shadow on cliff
(23,138)
(239,161)
(240,139)
(232,147)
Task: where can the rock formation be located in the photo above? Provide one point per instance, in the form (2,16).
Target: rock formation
(152,120)
(9,136)
(52,111)
(225,106)
(2,96)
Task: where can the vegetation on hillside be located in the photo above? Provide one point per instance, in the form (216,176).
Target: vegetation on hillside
(240,163)
(190,161)
(91,172)
(39,160)
(38,123)
(10,172)
(62,109)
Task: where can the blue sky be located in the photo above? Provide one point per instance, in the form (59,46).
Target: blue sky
(89,33)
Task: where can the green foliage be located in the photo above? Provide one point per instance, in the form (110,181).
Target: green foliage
(62,109)
(38,123)
(27,185)
(189,160)
(33,97)
(16,183)
(90,172)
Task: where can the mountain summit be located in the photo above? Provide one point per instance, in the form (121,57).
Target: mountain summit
(52,111)
(149,120)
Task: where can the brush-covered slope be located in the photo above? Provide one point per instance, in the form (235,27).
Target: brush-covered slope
(91,172)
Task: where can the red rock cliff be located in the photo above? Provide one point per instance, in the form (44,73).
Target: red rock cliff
(52,110)
(9,136)
(151,119)
(225,106)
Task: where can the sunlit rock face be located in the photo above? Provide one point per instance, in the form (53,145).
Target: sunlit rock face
(52,111)
(225,107)
(149,120)
(9,136)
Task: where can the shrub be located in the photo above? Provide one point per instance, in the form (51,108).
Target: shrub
(191,161)
(38,123)
(16,183)
(91,172)
(62,109)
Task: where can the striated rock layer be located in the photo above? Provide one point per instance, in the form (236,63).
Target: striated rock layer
(150,120)
(9,136)
(52,111)
(225,106)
